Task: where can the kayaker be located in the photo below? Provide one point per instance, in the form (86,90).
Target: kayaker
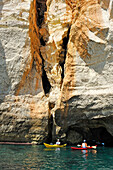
(58,142)
(84,144)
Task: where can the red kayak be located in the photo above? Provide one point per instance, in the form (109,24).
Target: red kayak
(75,148)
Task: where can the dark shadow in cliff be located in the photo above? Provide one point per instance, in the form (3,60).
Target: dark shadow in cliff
(1,6)
(51,124)
(36,70)
(64,47)
(45,81)
(41,9)
(86,126)
(5,84)
(50,127)
(101,135)
(94,136)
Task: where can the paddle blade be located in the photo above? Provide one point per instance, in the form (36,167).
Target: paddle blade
(79,145)
(94,147)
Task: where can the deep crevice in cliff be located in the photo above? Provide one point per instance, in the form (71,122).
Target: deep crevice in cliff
(41,8)
(50,127)
(50,123)
(45,81)
(64,47)
(42,41)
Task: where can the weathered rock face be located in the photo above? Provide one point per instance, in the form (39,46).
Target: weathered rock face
(24,108)
(56,70)
(87,93)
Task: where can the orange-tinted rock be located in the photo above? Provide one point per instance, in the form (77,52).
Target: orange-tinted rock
(56,69)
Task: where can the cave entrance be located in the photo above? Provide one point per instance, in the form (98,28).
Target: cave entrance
(101,135)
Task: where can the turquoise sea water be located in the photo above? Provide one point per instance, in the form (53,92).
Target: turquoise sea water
(38,157)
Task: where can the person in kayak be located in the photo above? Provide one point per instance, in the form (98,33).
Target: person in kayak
(84,144)
(58,142)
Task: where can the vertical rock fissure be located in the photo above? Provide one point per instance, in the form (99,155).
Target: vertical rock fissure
(41,9)
(64,47)
(45,81)
(51,125)
(43,37)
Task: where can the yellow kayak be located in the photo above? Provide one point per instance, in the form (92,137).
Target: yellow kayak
(54,146)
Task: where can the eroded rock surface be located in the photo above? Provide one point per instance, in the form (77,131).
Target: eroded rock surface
(56,70)
(21,86)
(87,87)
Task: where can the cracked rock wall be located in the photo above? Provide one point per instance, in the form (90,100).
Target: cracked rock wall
(23,107)
(87,92)
(55,59)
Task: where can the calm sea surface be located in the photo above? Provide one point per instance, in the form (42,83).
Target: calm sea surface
(38,157)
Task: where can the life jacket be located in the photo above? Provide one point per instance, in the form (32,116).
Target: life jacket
(57,143)
(84,145)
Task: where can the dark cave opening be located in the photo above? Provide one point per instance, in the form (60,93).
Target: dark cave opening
(101,135)
(94,136)
(64,47)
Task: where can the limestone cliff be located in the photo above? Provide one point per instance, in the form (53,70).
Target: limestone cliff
(56,70)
